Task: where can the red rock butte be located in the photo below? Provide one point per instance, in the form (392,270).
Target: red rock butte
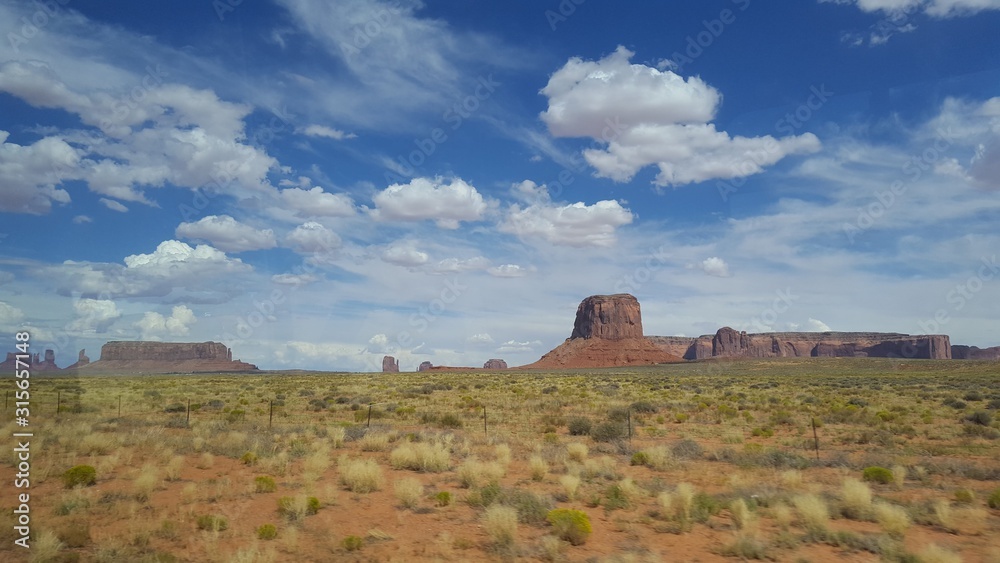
(607,332)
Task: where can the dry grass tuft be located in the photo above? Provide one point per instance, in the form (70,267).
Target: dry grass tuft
(577,451)
(474,473)
(361,475)
(933,553)
(374,442)
(408,491)
(893,519)
(570,484)
(421,456)
(539,467)
(500,522)
(856,499)
(812,512)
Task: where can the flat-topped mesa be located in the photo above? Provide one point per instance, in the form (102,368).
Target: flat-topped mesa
(140,357)
(960,352)
(425,366)
(730,343)
(609,317)
(494,363)
(165,351)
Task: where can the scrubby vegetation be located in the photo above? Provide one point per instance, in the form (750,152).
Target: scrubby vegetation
(721,453)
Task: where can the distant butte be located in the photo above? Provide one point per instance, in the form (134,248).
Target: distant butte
(138,357)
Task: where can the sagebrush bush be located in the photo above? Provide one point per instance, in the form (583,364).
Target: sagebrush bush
(743,519)
(877,474)
(79,476)
(570,525)
(579,426)
(609,431)
(443,498)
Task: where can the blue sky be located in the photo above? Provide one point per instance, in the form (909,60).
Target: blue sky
(318,184)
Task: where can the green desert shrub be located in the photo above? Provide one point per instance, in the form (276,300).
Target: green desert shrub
(993,501)
(79,476)
(640,458)
(264,484)
(570,525)
(267,532)
(877,474)
(443,498)
(212,523)
(352,543)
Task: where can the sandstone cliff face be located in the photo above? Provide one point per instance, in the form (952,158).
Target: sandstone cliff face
(611,317)
(495,364)
(389,365)
(425,366)
(959,352)
(729,343)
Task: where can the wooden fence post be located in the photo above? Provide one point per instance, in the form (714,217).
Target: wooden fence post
(369,415)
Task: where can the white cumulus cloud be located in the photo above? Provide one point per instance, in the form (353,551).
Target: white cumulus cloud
(816,325)
(94,315)
(154,326)
(404,254)
(228,234)
(313,238)
(315,202)
(715,266)
(446,202)
(646,116)
(575,224)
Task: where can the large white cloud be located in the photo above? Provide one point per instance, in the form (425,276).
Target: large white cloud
(935,8)
(646,116)
(574,224)
(94,315)
(32,173)
(315,202)
(198,273)
(10,315)
(315,240)
(227,234)
(404,254)
(154,326)
(164,134)
(446,202)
